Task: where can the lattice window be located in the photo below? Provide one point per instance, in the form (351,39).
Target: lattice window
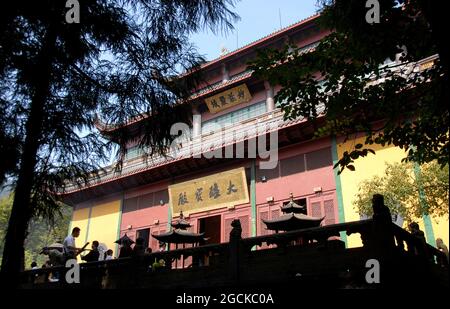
(161,196)
(153,241)
(263,215)
(136,151)
(267,173)
(245,224)
(292,165)
(228,228)
(319,159)
(242,114)
(275,213)
(316,209)
(130,204)
(329,212)
(146,201)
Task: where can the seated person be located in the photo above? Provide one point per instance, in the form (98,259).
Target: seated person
(94,254)
(108,255)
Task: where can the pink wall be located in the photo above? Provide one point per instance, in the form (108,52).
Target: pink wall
(144,217)
(299,184)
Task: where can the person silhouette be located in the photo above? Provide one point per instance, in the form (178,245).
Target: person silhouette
(442,247)
(415,230)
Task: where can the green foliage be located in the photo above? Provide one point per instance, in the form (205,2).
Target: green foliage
(5,210)
(402,185)
(363,78)
(41,232)
(119,61)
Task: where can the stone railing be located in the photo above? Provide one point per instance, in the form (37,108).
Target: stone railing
(305,256)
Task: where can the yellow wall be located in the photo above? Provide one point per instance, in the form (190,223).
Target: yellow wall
(99,222)
(80,219)
(103,223)
(367,168)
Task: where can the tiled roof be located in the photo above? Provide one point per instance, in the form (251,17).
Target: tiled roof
(261,40)
(219,85)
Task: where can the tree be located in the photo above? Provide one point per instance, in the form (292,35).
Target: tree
(364,78)
(402,186)
(5,211)
(119,61)
(41,231)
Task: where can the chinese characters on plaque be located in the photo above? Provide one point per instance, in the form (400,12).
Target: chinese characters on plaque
(214,191)
(228,98)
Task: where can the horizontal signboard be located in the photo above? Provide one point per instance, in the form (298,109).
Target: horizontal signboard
(219,190)
(228,98)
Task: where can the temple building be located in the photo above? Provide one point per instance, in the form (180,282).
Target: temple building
(233,113)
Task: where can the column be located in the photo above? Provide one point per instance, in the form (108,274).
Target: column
(253,199)
(225,74)
(337,179)
(270,102)
(196,122)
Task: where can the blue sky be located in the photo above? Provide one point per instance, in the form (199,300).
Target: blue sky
(258,19)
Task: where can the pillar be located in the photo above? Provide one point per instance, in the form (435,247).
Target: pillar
(225,74)
(196,123)
(270,102)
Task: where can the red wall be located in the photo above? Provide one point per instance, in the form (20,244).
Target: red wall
(301,184)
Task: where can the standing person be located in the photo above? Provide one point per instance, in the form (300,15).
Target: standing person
(125,250)
(416,231)
(139,249)
(94,254)
(54,255)
(55,259)
(34,265)
(70,250)
(421,247)
(442,247)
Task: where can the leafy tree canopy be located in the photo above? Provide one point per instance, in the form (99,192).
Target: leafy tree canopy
(365,78)
(41,231)
(56,77)
(408,191)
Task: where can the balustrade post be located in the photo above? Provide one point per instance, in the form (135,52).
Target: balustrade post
(235,250)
